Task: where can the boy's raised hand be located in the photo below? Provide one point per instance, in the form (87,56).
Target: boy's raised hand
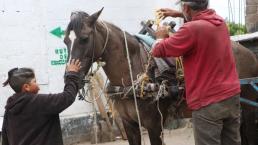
(73,66)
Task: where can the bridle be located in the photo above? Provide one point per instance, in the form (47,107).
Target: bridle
(105,44)
(103,50)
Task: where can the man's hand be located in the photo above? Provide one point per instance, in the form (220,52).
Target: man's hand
(73,66)
(166,12)
(162,32)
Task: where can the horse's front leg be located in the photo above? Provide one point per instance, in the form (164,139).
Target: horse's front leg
(153,123)
(132,131)
(155,134)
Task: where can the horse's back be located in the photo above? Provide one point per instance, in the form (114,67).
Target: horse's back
(246,61)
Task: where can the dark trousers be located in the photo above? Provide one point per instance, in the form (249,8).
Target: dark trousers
(218,124)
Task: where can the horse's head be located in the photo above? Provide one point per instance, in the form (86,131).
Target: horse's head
(82,40)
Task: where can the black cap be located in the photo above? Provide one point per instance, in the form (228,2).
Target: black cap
(195,1)
(198,1)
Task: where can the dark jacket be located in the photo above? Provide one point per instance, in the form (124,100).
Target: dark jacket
(33,119)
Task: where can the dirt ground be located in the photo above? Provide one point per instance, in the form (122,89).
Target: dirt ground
(182,136)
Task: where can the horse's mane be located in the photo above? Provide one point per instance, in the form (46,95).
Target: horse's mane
(113,26)
(76,22)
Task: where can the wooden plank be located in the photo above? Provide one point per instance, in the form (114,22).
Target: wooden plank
(117,118)
(97,89)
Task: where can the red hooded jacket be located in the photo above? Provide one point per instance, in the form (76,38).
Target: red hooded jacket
(209,65)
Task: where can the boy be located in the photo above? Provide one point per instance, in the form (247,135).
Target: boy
(31,118)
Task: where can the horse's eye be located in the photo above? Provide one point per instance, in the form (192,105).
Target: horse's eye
(84,40)
(67,40)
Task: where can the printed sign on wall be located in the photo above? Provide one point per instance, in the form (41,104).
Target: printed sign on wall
(61,52)
(63,55)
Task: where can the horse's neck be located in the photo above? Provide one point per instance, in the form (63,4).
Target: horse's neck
(116,68)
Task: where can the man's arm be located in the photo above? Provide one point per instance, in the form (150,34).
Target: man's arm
(176,45)
(166,12)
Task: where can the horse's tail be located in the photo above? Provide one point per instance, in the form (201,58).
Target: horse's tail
(256,65)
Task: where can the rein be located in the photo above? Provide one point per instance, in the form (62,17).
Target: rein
(107,38)
(93,59)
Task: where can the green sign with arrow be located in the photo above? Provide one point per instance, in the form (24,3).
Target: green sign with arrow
(58,32)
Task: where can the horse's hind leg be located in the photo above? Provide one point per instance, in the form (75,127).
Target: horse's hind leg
(133,132)
(248,128)
(155,135)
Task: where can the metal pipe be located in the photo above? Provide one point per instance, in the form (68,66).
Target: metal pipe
(249,102)
(254,86)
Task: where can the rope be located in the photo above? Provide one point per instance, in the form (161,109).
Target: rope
(144,78)
(107,38)
(90,87)
(161,123)
(160,92)
(179,69)
(159,16)
(134,92)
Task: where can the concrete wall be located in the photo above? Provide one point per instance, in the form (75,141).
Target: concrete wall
(76,129)
(252,15)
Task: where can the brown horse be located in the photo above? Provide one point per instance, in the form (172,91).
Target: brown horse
(95,40)
(101,40)
(247,67)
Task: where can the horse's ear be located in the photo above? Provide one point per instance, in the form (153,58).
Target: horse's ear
(94,17)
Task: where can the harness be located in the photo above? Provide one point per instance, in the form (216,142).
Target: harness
(144,85)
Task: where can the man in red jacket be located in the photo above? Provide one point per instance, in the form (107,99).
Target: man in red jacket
(211,79)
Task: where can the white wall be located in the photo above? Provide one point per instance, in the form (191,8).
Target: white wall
(236,9)
(25,39)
